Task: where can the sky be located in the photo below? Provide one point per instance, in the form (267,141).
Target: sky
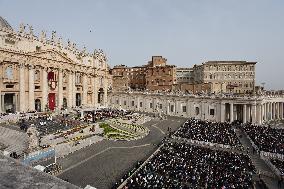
(185,32)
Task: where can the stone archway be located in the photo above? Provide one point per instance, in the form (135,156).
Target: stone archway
(38,105)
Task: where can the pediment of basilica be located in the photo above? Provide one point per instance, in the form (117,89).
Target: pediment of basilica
(52,55)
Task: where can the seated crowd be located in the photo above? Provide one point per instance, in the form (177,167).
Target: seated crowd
(103,114)
(180,165)
(279,165)
(213,132)
(266,138)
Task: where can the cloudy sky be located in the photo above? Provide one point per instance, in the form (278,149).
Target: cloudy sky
(186,32)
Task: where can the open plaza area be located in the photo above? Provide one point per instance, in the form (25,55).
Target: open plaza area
(141,94)
(140,150)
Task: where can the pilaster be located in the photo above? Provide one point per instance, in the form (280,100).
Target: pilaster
(31,88)
(44,88)
(22,88)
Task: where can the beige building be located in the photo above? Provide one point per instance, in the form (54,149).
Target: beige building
(184,75)
(226,76)
(40,73)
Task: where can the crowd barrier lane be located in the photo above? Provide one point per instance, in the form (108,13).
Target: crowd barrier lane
(126,180)
(272,167)
(272,155)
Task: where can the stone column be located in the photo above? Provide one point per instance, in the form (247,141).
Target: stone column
(138,103)
(16,102)
(93,92)
(85,90)
(258,114)
(264,112)
(276,110)
(95,103)
(2,102)
(60,89)
(273,110)
(105,91)
(248,112)
(31,89)
(168,107)
(176,108)
(244,113)
(44,89)
(74,89)
(253,113)
(22,88)
(188,108)
(280,110)
(270,110)
(231,112)
(70,90)
(119,102)
(222,112)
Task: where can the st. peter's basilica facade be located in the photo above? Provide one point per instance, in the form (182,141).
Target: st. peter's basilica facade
(42,74)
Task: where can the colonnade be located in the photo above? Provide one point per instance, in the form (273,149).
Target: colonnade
(245,110)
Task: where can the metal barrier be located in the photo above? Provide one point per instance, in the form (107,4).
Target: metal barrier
(39,156)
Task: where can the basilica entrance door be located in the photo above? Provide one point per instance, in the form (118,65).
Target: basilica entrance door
(51,101)
(9,103)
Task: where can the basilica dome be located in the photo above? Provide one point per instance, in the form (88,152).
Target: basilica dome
(4,24)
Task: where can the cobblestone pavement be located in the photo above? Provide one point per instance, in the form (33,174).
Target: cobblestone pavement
(102,164)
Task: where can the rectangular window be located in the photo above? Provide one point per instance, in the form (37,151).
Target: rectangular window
(161,106)
(37,87)
(183,108)
(124,103)
(116,101)
(64,88)
(172,108)
(141,104)
(132,103)
(151,105)
(9,86)
(212,112)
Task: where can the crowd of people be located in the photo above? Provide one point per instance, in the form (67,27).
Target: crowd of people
(180,165)
(213,132)
(279,165)
(266,138)
(53,169)
(128,174)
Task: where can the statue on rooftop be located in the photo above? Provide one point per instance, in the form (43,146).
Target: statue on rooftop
(59,42)
(53,36)
(68,44)
(73,46)
(42,36)
(31,30)
(84,50)
(22,28)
